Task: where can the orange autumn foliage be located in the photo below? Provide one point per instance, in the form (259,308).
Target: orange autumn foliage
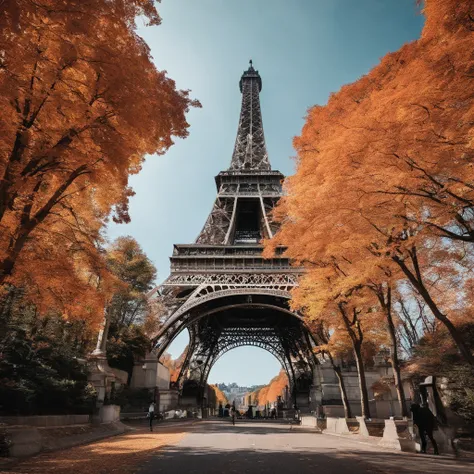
(220,396)
(385,174)
(270,392)
(174,365)
(82,104)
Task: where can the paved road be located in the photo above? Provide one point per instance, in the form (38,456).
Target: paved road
(216,447)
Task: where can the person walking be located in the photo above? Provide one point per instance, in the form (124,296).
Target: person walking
(426,424)
(151,414)
(232,414)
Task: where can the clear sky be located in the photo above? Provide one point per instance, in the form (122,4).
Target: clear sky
(304,51)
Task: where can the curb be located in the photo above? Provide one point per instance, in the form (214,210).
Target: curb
(133,425)
(178,424)
(378,446)
(361,441)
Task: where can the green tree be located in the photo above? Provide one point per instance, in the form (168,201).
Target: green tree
(41,371)
(125,345)
(129,306)
(127,261)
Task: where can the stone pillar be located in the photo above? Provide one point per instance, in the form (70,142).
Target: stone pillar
(101,347)
(391,438)
(100,374)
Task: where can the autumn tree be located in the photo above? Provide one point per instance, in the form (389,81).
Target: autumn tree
(174,365)
(414,322)
(82,104)
(269,393)
(155,317)
(328,298)
(221,399)
(384,292)
(384,175)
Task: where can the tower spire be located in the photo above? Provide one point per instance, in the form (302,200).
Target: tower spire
(250,151)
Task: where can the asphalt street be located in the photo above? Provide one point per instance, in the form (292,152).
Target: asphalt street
(217,447)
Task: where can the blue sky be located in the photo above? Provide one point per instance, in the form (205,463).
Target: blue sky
(304,51)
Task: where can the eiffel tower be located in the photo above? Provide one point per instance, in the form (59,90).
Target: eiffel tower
(221,289)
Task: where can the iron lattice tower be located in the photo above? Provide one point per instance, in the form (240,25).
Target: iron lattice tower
(220,287)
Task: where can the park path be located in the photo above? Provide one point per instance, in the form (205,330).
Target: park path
(217,447)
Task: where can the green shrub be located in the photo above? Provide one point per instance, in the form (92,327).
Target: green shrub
(40,375)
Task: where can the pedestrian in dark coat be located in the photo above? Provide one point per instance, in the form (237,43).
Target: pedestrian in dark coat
(426,423)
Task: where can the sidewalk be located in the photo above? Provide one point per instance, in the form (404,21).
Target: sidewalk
(374,441)
(59,438)
(63,437)
(117,455)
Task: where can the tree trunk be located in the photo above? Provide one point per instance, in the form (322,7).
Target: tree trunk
(397,373)
(387,306)
(364,395)
(417,283)
(342,388)
(8,263)
(7,179)
(396,367)
(356,340)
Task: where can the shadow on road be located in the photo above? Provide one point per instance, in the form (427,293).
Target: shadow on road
(219,447)
(209,461)
(333,461)
(249,427)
